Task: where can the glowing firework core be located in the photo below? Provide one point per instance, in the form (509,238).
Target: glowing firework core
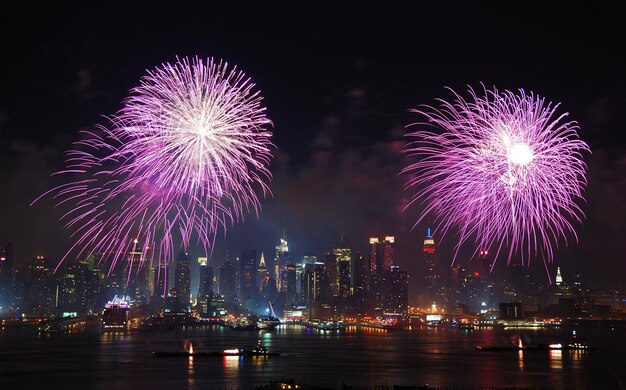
(521,154)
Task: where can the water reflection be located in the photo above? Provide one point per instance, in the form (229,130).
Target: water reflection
(190,373)
(556,359)
(520,360)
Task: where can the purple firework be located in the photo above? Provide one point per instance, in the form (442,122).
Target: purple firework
(184,157)
(503,169)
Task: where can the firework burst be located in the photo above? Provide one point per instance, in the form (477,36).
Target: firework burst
(503,169)
(184,157)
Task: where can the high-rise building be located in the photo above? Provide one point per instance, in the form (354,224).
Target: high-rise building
(396,301)
(280,261)
(261,270)
(316,291)
(343,257)
(6,268)
(41,287)
(360,282)
(182,279)
(289,284)
(227,281)
(205,286)
(70,284)
(432,277)
(137,283)
(388,252)
(248,274)
(376,265)
(160,284)
(330,262)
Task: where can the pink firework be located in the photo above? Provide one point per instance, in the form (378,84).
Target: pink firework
(503,169)
(185,157)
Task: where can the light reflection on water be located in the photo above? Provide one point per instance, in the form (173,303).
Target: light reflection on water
(358,357)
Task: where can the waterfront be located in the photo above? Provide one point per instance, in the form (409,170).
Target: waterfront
(355,357)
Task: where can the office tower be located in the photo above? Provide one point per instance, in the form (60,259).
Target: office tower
(160,284)
(361,266)
(397,282)
(558,279)
(316,291)
(41,287)
(432,278)
(388,252)
(205,285)
(261,270)
(343,257)
(182,279)
(137,274)
(330,262)
(289,284)
(227,281)
(247,278)
(281,260)
(375,260)
(68,288)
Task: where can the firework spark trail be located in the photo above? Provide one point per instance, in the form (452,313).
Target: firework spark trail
(503,169)
(185,156)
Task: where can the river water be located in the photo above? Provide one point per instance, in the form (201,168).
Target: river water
(436,357)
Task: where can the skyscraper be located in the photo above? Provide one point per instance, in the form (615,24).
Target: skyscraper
(261,270)
(343,257)
(227,280)
(388,252)
(248,274)
(205,287)
(432,278)
(281,260)
(375,260)
(160,284)
(182,279)
(396,301)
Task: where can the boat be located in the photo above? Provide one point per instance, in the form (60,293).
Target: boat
(540,347)
(115,315)
(267,323)
(573,345)
(256,351)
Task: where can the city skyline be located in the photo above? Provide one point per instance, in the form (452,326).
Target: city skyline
(339,140)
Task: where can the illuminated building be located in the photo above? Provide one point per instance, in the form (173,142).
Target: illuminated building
(432,278)
(330,262)
(160,284)
(261,270)
(137,286)
(376,266)
(182,279)
(289,284)
(247,276)
(510,311)
(205,286)
(41,287)
(6,266)
(559,278)
(280,261)
(360,282)
(388,252)
(316,291)
(343,258)
(397,297)
(227,280)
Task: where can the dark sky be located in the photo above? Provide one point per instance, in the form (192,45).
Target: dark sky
(337,85)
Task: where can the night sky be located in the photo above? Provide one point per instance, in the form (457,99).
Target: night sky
(337,84)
